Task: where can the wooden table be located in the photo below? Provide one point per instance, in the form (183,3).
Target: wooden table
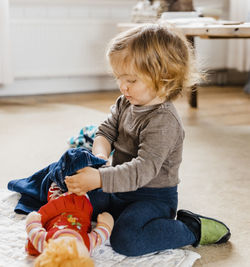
(222,30)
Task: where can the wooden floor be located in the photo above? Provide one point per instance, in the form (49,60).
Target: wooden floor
(216,105)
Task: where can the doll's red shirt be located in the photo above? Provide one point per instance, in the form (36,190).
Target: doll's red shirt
(69,211)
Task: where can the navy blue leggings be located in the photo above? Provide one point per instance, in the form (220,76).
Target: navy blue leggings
(144,220)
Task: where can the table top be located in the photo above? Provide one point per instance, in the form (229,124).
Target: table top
(241,30)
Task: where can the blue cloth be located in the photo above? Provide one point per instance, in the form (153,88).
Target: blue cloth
(85,138)
(34,189)
(144,220)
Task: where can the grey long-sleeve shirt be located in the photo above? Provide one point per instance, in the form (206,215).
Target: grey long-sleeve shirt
(147,143)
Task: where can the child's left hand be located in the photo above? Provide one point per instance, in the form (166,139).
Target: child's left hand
(86,180)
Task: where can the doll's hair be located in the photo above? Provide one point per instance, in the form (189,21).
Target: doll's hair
(159,55)
(62,254)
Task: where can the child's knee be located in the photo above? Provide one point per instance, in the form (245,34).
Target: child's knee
(124,241)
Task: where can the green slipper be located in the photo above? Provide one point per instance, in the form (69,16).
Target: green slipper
(206,230)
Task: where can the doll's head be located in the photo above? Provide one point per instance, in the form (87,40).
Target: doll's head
(64,251)
(158,55)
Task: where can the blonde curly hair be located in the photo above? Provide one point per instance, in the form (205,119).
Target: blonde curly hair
(159,55)
(62,254)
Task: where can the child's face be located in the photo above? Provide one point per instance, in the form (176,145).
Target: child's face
(136,91)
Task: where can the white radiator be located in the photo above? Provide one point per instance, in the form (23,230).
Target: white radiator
(59,45)
(59,48)
(63,38)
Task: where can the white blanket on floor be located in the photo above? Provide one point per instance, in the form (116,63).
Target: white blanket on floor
(13,236)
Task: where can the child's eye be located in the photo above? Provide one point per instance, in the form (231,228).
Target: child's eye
(131,81)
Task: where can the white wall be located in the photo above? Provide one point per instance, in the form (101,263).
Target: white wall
(66,37)
(59,45)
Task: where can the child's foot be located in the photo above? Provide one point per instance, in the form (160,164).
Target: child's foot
(207,230)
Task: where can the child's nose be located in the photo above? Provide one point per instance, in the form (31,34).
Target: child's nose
(123,87)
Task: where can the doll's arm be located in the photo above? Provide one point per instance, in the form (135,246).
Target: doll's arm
(35,231)
(102,231)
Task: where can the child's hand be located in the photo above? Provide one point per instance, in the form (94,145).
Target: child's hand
(107,219)
(86,180)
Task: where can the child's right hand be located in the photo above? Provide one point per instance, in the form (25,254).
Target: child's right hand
(85,180)
(106,218)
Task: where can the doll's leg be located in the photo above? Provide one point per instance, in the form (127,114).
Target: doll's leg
(30,185)
(145,227)
(70,162)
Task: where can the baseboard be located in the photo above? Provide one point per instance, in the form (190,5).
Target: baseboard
(223,77)
(40,86)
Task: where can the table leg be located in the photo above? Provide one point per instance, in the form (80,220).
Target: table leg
(192,97)
(247,86)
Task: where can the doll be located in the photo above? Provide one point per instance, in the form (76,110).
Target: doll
(61,230)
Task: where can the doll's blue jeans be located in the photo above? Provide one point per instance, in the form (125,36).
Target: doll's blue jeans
(144,220)
(34,189)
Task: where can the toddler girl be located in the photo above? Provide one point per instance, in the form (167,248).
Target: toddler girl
(152,64)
